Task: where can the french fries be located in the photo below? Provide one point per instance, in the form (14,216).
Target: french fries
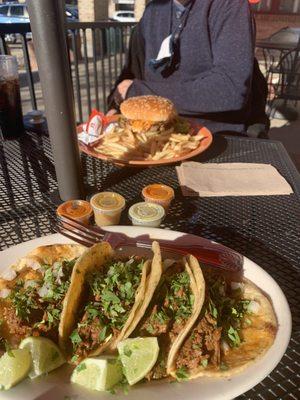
(123,144)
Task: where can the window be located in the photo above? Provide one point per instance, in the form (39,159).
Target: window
(17,11)
(3,10)
(289,6)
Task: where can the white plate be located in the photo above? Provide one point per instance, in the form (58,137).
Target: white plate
(56,385)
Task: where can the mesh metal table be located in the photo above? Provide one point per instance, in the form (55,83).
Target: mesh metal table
(265,229)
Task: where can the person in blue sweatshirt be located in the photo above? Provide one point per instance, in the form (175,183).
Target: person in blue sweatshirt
(200,55)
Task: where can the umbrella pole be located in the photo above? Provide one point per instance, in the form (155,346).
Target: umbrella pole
(47,19)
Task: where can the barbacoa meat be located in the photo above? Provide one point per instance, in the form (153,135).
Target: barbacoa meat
(202,344)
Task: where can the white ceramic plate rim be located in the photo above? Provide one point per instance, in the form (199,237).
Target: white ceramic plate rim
(204,388)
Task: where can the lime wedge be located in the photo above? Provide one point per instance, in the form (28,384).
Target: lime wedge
(46,356)
(98,373)
(14,366)
(138,357)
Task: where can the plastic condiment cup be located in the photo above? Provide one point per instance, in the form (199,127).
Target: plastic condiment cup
(107,207)
(146,214)
(79,210)
(159,194)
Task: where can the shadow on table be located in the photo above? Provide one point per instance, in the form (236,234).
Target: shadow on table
(36,168)
(36,162)
(274,263)
(119,174)
(218,147)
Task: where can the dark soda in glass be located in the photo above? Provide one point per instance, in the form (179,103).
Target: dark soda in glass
(11,119)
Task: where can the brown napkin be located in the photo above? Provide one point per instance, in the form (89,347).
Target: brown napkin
(231,179)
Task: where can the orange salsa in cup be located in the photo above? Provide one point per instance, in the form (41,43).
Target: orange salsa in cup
(159,194)
(79,210)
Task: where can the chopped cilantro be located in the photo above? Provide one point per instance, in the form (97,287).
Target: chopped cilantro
(74,358)
(127,351)
(223,367)
(182,374)
(24,300)
(114,289)
(226,307)
(150,329)
(213,310)
(81,367)
(103,334)
(204,363)
(161,317)
(93,312)
(53,284)
(179,298)
(75,338)
(234,337)
(109,297)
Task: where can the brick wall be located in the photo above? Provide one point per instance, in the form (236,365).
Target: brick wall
(92,10)
(269,23)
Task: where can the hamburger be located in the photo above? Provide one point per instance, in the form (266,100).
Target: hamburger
(147,113)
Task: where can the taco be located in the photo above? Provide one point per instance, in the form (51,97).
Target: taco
(235,327)
(105,294)
(32,293)
(172,309)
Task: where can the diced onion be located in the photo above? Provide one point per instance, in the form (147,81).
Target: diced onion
(253,307)
(4,293)
(237,285)
(33,264)
(225,346)
(9,274)
(43,291)
(29,283)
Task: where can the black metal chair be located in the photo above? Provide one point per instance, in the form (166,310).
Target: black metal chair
(284,80)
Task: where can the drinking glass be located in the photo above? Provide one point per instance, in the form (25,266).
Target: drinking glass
(11,119)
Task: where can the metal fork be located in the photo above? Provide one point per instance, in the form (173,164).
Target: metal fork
(207,252)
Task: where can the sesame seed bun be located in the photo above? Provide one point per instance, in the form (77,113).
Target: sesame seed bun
(148,108)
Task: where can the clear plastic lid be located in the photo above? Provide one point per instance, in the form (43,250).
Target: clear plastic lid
(108,202)
(146,212)
(75,209)
(158,191)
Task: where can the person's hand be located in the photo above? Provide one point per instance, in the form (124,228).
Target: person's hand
(123,87)
(110,112)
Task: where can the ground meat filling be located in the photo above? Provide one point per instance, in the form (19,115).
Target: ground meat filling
(222,316)
(110,297)
(202,346)
(34,304)
(169,310)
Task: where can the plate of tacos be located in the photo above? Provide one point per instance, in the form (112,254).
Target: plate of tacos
(88,323)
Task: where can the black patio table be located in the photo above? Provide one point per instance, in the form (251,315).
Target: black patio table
(266,228)
(280,46)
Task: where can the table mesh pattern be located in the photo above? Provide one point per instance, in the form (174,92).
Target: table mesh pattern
(265,229)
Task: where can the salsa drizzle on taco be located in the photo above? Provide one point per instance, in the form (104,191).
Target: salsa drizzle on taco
(111,295)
